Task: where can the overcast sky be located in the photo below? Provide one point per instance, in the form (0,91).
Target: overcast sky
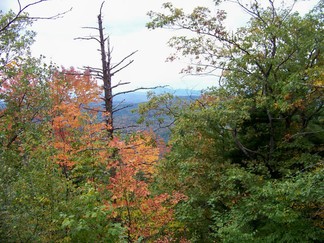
(125,21)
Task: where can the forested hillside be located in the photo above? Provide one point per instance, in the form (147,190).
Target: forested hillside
(243,161)
(135,117)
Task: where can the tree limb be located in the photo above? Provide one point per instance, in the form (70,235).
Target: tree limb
(137,89)
(128,56)
(120,84)
(122,108)
(125,66)
(87,38)
(23,8)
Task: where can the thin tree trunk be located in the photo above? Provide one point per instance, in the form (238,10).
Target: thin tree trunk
(105,62)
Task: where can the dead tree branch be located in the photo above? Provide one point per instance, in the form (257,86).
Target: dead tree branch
(22,10)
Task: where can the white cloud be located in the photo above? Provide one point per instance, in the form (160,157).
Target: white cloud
(125,21)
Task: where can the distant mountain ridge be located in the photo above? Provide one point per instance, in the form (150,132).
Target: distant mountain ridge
(141,96)
(128,118)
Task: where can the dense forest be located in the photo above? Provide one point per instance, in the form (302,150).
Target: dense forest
(243,161)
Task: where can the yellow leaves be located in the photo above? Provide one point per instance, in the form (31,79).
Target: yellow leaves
(319,83)
(316,76)
(12,64)
(287,97)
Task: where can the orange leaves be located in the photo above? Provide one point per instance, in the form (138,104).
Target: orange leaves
(125,187)
(138,153)
(142,213)
(70,86)
(83,149)
(61,112)
(75,127)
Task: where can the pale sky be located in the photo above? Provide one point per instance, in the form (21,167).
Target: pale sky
(125,22)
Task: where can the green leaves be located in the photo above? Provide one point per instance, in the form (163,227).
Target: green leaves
(15,39)
(248,153)
(276,211)
(88,218)
(161,20)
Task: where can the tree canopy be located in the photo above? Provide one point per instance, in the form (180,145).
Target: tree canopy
(244,162)
(243,152)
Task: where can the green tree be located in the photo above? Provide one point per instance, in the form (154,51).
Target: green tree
(15,39)
(236,152)
(16,36)
(161,112)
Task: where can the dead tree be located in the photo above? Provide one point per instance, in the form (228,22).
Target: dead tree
(107,70)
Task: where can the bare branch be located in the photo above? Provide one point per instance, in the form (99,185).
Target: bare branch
(107,71)
(59,15)
(87,38)
(137,89)
(101,7)
(92,109)
(125,66)
(305,133)
(128,126)
(91,28)
(120,103)
(168,126)
(244,149)
(122,108)
(289,11)
(92,69)
(255,13)
(22,10)
(120,84)
(125,58)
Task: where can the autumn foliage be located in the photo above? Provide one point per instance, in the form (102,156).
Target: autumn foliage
(74,122)
(78,131)
(243,162)
(145,215)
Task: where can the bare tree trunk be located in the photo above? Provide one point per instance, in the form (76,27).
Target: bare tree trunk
(106,75)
